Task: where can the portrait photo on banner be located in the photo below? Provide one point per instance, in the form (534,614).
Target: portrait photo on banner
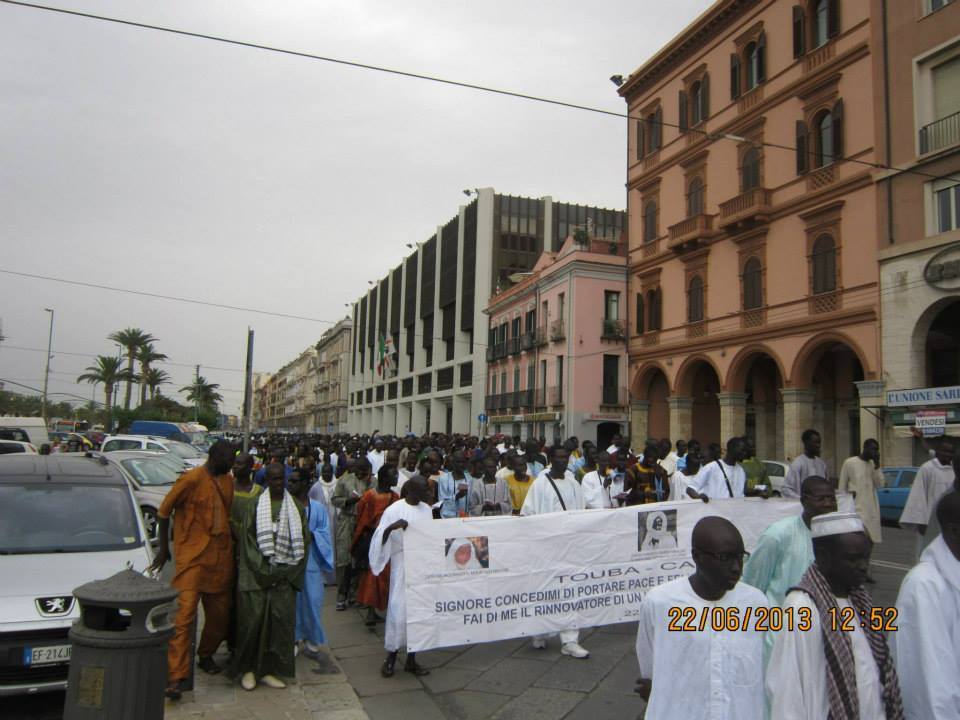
(467,553)
(657,530)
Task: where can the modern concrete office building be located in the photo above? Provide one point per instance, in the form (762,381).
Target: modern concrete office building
(431,308)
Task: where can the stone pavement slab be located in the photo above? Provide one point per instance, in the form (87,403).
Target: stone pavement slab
(411,704)
(470,705)
(539,704)
(510,676)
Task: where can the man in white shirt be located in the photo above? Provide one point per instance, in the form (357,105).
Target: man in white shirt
(926,646)
(556,490)
(804,465)
(860,475)
(598,485)
(834,662)
(723,478)
(707,674)
(935,477)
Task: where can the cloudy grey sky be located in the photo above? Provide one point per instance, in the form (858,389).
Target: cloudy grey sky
(186,167)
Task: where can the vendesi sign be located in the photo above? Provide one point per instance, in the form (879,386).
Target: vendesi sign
(924,396)
(931,423)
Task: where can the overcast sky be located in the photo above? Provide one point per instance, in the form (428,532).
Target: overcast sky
(186,167)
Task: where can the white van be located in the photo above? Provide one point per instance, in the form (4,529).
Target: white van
(24,429)
(65,520)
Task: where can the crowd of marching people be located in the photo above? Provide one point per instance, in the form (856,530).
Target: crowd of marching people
(258,535)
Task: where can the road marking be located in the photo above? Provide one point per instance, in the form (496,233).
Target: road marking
(891,565)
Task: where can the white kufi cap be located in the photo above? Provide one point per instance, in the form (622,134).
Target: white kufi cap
(835,523)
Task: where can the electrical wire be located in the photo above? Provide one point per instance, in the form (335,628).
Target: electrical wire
(163,297)
(435,79)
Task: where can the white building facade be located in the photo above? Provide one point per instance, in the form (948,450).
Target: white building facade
(432,306)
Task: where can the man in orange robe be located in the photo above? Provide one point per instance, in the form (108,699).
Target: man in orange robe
(203,556)
(373,590)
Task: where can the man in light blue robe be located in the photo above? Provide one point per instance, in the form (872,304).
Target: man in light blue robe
(319,549)
(785,550)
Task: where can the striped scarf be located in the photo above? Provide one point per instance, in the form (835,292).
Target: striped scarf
(285,546)
(838,649)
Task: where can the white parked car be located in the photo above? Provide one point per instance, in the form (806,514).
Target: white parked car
(9,447)
(777,472)
(65,520)
(152,443)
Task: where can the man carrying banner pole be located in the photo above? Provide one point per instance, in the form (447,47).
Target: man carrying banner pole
(557,490)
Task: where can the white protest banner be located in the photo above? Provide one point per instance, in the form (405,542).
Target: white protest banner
(475,580)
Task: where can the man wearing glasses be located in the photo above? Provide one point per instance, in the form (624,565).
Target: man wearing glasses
(785,550)
(696,658)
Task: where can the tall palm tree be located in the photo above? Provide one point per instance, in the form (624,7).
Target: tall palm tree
(153,378)
(131,339)
(146,356)
(203,394)
(109,371)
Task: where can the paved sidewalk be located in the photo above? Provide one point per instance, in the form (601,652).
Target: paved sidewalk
(502,680)
(321,691)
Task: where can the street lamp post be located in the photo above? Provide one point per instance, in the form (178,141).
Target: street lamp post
(46,372)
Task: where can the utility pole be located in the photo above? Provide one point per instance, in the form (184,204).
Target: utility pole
(196,396)
(46,372)
(248,391)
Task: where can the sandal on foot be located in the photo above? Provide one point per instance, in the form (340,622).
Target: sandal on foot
(415,669)
(387,668)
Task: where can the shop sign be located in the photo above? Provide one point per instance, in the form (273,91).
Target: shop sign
(943,269)
(605,417)
(931,423)
(924,396)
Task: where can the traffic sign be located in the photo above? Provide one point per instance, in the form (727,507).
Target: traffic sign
(482,417)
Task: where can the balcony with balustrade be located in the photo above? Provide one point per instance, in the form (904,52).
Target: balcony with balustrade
(691,233)
(748,208)
(612,329)
(940,134)
(558,330)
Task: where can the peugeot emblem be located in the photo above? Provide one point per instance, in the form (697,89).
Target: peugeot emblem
(54,606)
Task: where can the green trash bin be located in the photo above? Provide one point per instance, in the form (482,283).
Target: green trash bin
(118,666)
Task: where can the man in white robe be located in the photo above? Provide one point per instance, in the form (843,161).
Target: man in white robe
(386,546)
(828,664)
(556,490)
(376,456)
(935,477)
(723,478)
(598,485)
(709,674)
(804,465)
(926,645)
(860,475)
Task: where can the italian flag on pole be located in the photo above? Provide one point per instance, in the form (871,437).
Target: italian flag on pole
(385,351)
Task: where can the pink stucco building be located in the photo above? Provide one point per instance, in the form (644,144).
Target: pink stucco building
(556,357)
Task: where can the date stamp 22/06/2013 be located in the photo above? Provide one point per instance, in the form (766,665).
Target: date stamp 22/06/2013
(775,619)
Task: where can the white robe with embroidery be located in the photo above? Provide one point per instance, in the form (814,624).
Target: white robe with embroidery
(926,646)
(395,635)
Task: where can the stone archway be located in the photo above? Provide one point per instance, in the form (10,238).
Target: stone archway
(756,378)
(824,397)
(698,383)
(650,391)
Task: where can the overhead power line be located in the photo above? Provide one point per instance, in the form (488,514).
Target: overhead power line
(440,80)
(142,293)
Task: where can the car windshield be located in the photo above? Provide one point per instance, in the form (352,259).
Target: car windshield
(59,518)
(150,471)
(185,451)
(199,440)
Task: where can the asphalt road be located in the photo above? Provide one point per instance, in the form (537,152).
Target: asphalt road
(891,561)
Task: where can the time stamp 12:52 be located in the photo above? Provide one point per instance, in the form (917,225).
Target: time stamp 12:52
(776,619)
